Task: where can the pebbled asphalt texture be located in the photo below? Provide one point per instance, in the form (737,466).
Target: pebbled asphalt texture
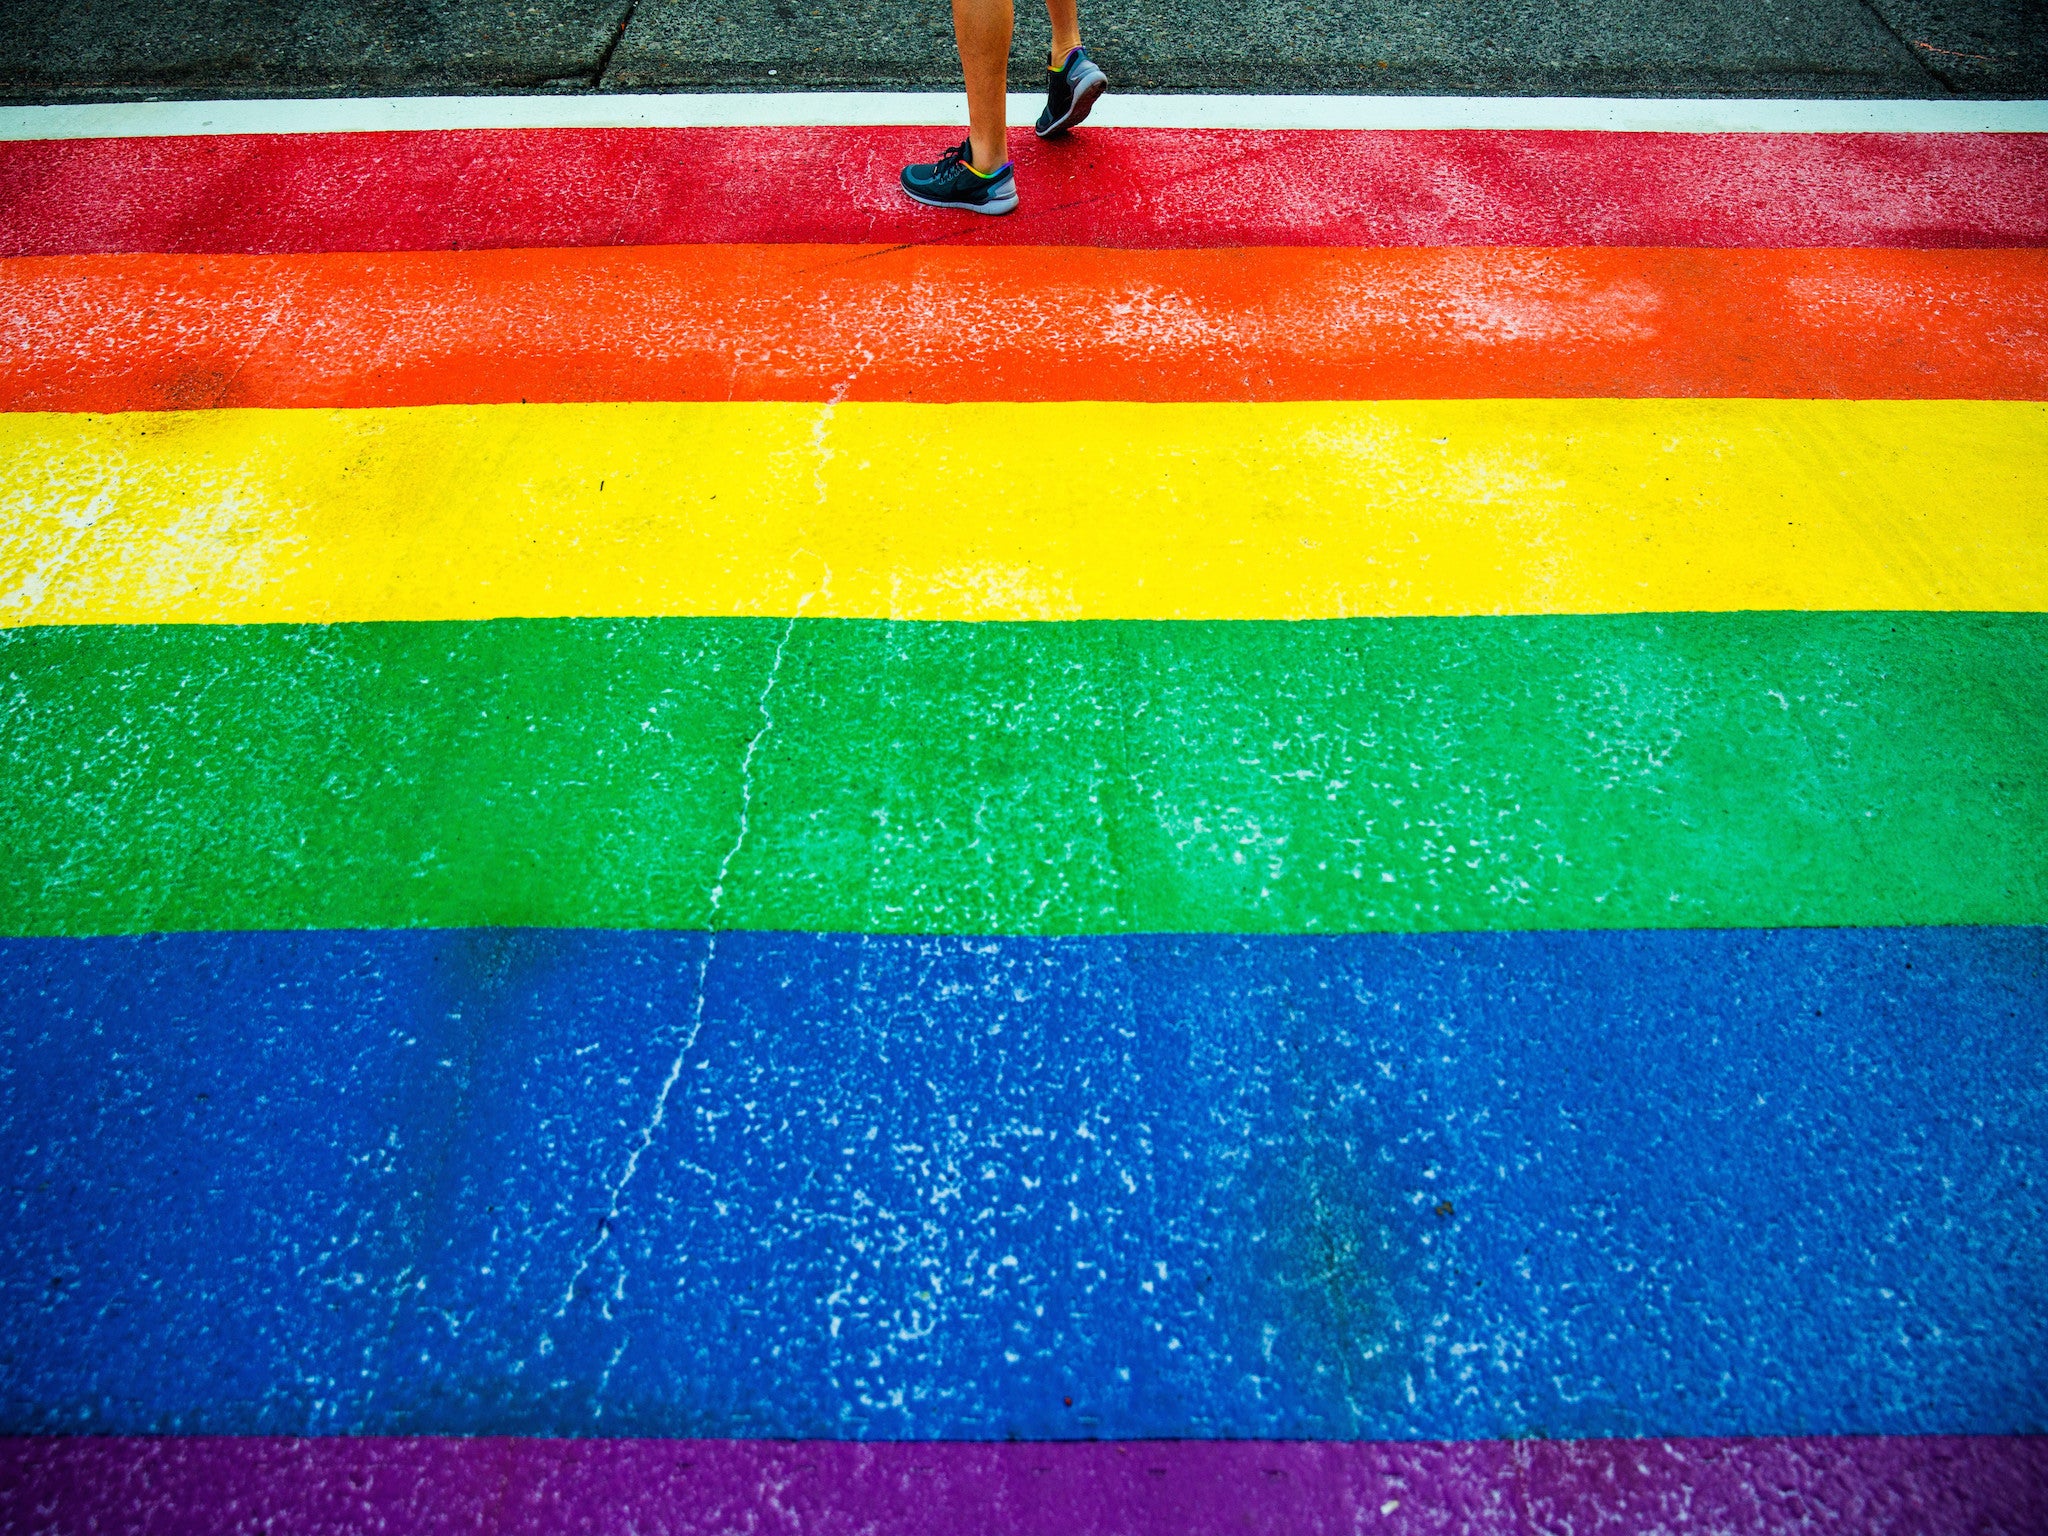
(55,50)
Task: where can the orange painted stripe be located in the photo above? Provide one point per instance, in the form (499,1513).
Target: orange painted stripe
(786,322)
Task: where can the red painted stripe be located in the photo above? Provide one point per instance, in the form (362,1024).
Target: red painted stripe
(1120,187)
(807,322)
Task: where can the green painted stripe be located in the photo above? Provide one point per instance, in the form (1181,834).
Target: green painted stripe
(1551,772)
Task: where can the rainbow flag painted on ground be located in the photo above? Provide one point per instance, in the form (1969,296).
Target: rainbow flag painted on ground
(684,857)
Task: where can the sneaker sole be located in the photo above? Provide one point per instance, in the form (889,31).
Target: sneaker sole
(993,205)
(1077,109)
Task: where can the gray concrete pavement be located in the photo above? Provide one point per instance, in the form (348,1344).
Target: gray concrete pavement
(114,48)
(110,49)
(1747,47)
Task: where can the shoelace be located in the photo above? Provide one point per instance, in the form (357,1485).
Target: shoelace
(952,159)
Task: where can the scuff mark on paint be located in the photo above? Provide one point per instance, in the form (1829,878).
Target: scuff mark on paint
(266,338)
(1326,1270)
(1337,1279)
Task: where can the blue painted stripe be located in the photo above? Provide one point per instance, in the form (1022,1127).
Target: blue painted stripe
(1563,1184)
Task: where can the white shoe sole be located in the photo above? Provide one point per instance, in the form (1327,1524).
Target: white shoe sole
(1077,109)
(993,205)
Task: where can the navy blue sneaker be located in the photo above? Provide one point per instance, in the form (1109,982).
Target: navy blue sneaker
(1070,91)
(953,182)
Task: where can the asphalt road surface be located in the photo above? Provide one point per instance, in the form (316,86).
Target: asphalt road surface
(114,49)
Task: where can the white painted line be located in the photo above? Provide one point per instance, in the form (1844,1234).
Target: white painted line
(1597,113)
(795,109)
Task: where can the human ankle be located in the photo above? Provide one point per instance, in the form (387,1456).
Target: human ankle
(1060,51)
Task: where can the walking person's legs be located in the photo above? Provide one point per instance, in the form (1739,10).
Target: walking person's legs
(977,176)
(982,28)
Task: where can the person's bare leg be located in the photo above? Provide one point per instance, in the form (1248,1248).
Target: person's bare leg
(1065,16)
(982,29)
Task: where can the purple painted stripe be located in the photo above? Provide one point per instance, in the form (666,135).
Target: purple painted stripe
(1986,1485)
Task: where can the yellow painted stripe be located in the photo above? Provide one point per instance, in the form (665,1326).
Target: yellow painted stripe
(1042,511)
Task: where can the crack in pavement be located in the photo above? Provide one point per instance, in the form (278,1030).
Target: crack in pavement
(604,60)
(717,901)
(823,455)
(1909,48)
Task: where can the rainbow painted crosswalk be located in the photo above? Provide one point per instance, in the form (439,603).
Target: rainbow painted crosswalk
(1211,858)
